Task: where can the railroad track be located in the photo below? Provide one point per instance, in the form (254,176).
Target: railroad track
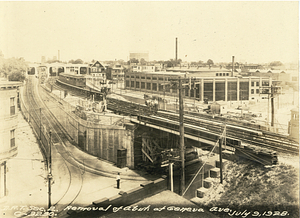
(251,134)
(45,118)
(213,127)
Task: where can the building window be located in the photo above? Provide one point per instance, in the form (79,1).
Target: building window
(137,77)
(257,83)
(257,91)
(137,85)
(265,83)
(154,78)
(252,91)
(154,86)
(217,74)
(149,78)
(12,106)
(143,85)
(12,138)
(252,83)
(132,84)
(149,86)
(132,76)
(127,76)
(160,78)
(142,77)
(227,74)
(127,83)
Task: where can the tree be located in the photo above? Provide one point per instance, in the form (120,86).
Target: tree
(16,76)
(134,60)
(78,61)
(14,69)
(51,61)
(143,62)
(210,62)
(276,63)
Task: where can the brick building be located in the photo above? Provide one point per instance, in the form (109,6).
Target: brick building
(215,88)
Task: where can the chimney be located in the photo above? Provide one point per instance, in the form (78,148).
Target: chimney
(176,50)
(232,66)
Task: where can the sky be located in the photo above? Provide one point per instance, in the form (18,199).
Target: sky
(253,32)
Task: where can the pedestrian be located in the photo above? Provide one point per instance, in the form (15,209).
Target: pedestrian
(118,180)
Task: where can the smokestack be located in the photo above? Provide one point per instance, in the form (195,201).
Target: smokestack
(176,50)
(58,56)
(232,66)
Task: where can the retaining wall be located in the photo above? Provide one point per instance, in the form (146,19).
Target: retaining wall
(132,196)
(99,140)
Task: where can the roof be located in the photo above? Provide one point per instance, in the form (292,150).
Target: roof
(168,73)
(96,62)
(10,84)
(200,69)
(167,200)
(72,75)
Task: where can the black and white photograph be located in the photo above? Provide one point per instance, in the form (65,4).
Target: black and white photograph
(167,109)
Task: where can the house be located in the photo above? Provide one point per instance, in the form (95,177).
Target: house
(98,71)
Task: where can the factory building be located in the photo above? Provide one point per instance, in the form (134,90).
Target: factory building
(206,88)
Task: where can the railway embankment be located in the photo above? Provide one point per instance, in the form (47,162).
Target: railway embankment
(247,186)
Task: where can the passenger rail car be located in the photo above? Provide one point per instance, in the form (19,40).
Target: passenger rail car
(75,80)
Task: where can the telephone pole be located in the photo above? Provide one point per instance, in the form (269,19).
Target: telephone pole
(181,132)
(271,91)
(49,172)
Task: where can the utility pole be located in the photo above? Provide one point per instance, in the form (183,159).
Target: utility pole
(181,132)
(220,155)
(40,123)
(271,91)
(171,176)
(272,106)
(49,173)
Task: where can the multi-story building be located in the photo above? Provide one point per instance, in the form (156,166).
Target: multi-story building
(117,72)
(142,68)
(74,69)
(8,128)
(97,71)
(217,88)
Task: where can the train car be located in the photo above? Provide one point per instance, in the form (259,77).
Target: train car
(74,80)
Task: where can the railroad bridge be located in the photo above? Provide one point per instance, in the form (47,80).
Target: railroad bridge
(155,131)
(200,130)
